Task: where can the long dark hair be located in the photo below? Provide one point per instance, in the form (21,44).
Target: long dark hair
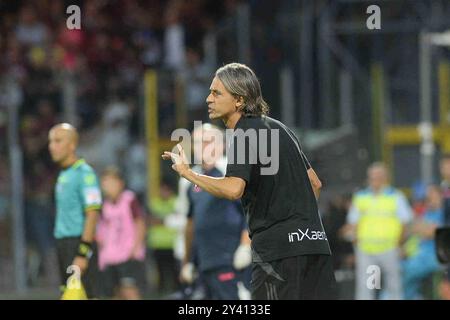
(242,82)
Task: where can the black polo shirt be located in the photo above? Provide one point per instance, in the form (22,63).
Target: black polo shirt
(278,200)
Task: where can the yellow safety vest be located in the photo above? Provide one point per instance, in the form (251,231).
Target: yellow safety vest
(379,228)
(159,236)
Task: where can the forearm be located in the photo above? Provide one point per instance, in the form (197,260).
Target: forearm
(348,232)
(245,239)
(188,237)
(431,232)
(428,231)
(404,235)
(316,192)
(220,187)
(140,231)
(90,226)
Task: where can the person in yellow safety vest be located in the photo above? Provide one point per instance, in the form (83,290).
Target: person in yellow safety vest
(376,221)
(161,239)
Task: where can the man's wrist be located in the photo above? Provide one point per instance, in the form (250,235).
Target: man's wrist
(85,249)
(187,174)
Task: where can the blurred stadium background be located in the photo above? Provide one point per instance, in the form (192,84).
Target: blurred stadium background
(138,69)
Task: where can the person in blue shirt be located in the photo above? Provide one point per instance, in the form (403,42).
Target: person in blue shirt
(78,201)
(445,186)
(216,235)
(423,262)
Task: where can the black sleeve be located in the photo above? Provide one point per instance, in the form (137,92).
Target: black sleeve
(240,157)
(305,161)
(299,146)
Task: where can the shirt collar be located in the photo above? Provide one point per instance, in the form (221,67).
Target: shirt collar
(76,164)
(382,190)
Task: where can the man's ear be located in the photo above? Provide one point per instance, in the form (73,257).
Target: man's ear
(74,147)
(239,103)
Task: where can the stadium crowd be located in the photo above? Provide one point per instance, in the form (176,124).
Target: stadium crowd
(106,58)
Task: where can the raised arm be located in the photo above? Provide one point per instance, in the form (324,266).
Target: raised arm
(230,188)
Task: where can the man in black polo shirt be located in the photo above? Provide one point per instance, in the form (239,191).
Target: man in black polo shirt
(278,189)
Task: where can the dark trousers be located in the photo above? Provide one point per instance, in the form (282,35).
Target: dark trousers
(129,273)
(168,270)
(307,277)
(66,250)
(222,283)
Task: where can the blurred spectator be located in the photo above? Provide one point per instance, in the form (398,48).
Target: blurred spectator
(116,120)
(445,176)
(121,239)
(196,76)
(30,31)
(11,93)
(334,220)
(14,62)
(136,167)
(119,39)
(217,241)
(146,40)
(39,222)
(47,115)
(423,262)
(41,80)
(161,239)
(178,219)
(106,143)
(418,199)
(129,71)
(54,17)
(174,42)
(69,47)
(377,218)
(40,176)
(4,193)
(6,267)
